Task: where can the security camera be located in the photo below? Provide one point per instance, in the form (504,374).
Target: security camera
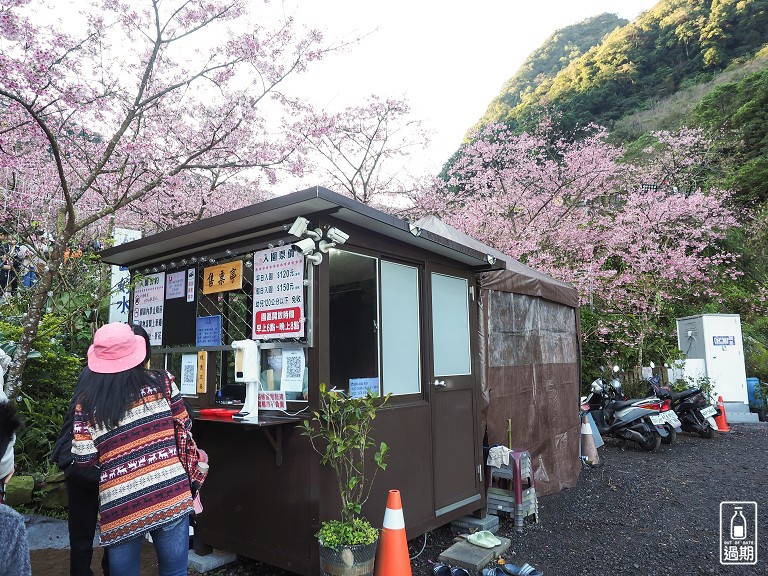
(300,228)
(336,235)
(306,246)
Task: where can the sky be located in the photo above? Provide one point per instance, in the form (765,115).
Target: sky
(447,59)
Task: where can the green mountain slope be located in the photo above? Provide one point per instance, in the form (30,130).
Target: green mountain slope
(676,44)
(676,110)
(559,50)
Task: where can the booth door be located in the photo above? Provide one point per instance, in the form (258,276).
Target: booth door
(454,451)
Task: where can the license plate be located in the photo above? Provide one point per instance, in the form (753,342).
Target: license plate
(670,418)
(657,419)
(708,411)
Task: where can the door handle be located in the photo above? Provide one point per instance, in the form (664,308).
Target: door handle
(439,383)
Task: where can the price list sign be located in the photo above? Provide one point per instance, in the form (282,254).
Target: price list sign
(278,293)
(148,302)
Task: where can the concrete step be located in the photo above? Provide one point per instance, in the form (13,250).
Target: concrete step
(215,559)
(470,524)
(471,557)
(741,417)
(736,408)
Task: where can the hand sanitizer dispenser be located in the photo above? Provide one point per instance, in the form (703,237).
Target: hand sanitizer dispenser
(246,360)
(248,369)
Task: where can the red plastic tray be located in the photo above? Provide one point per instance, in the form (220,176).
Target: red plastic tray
(219,412)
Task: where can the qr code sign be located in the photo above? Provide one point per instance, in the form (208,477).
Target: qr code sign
(189,373)
(294,367)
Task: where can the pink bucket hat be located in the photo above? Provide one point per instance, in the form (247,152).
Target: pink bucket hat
(116,348)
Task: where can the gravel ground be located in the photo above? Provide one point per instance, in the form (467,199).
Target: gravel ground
(637,513)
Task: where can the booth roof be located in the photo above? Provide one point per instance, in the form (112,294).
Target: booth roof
(277,214)
(513,276)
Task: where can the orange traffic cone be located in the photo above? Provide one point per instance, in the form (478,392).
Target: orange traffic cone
(588,448)
(392,556)
(720,420)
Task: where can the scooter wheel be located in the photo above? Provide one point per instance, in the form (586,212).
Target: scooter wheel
(671,436)
(708,433)
(652,442)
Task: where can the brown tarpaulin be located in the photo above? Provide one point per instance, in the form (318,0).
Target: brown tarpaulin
(530,363)
(530,379)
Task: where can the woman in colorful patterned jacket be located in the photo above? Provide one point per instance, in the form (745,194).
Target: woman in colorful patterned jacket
(125,420)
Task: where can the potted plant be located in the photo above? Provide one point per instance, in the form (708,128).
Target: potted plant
(340,433)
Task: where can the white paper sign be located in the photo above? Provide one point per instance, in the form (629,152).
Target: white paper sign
(191,285)
(148,300)
(292,378)
(175,285)
(120,296)
(189,374)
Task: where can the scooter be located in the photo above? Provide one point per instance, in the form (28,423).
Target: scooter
(626,419)
(696,414)
(667,417)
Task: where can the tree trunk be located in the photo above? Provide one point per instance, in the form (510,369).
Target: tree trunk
(34,316)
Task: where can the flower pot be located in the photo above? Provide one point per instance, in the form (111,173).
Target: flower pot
(348,560)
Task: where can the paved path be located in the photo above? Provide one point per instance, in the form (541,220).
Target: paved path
(45,532)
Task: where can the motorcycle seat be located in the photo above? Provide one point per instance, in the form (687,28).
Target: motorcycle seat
(677,396)
(619,404)
(662,393)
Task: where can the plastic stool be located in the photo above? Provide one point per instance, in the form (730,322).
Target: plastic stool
(521,502)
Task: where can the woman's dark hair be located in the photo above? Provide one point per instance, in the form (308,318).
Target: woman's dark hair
(105,398)
(139,331)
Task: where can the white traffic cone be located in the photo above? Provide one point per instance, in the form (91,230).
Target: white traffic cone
(588,449)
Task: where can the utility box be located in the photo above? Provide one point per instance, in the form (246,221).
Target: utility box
(713,347)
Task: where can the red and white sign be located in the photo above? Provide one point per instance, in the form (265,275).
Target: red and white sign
(278,293)
(272,400)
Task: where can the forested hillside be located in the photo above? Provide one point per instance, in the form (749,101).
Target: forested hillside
(544,63)
(598,157)
(674,45)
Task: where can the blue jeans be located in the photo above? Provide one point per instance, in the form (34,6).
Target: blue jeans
(29,279)
(171,546)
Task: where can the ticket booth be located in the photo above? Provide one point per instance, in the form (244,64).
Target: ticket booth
(335,292)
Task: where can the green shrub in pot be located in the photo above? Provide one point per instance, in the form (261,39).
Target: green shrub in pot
(339,432)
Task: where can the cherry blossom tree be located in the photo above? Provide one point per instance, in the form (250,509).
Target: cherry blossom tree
(138,103)
(361,149)
(577,211)
(520,193)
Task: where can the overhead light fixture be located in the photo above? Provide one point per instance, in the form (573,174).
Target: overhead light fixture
(415,230)
(335,236)
(300,228)
(490,259)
